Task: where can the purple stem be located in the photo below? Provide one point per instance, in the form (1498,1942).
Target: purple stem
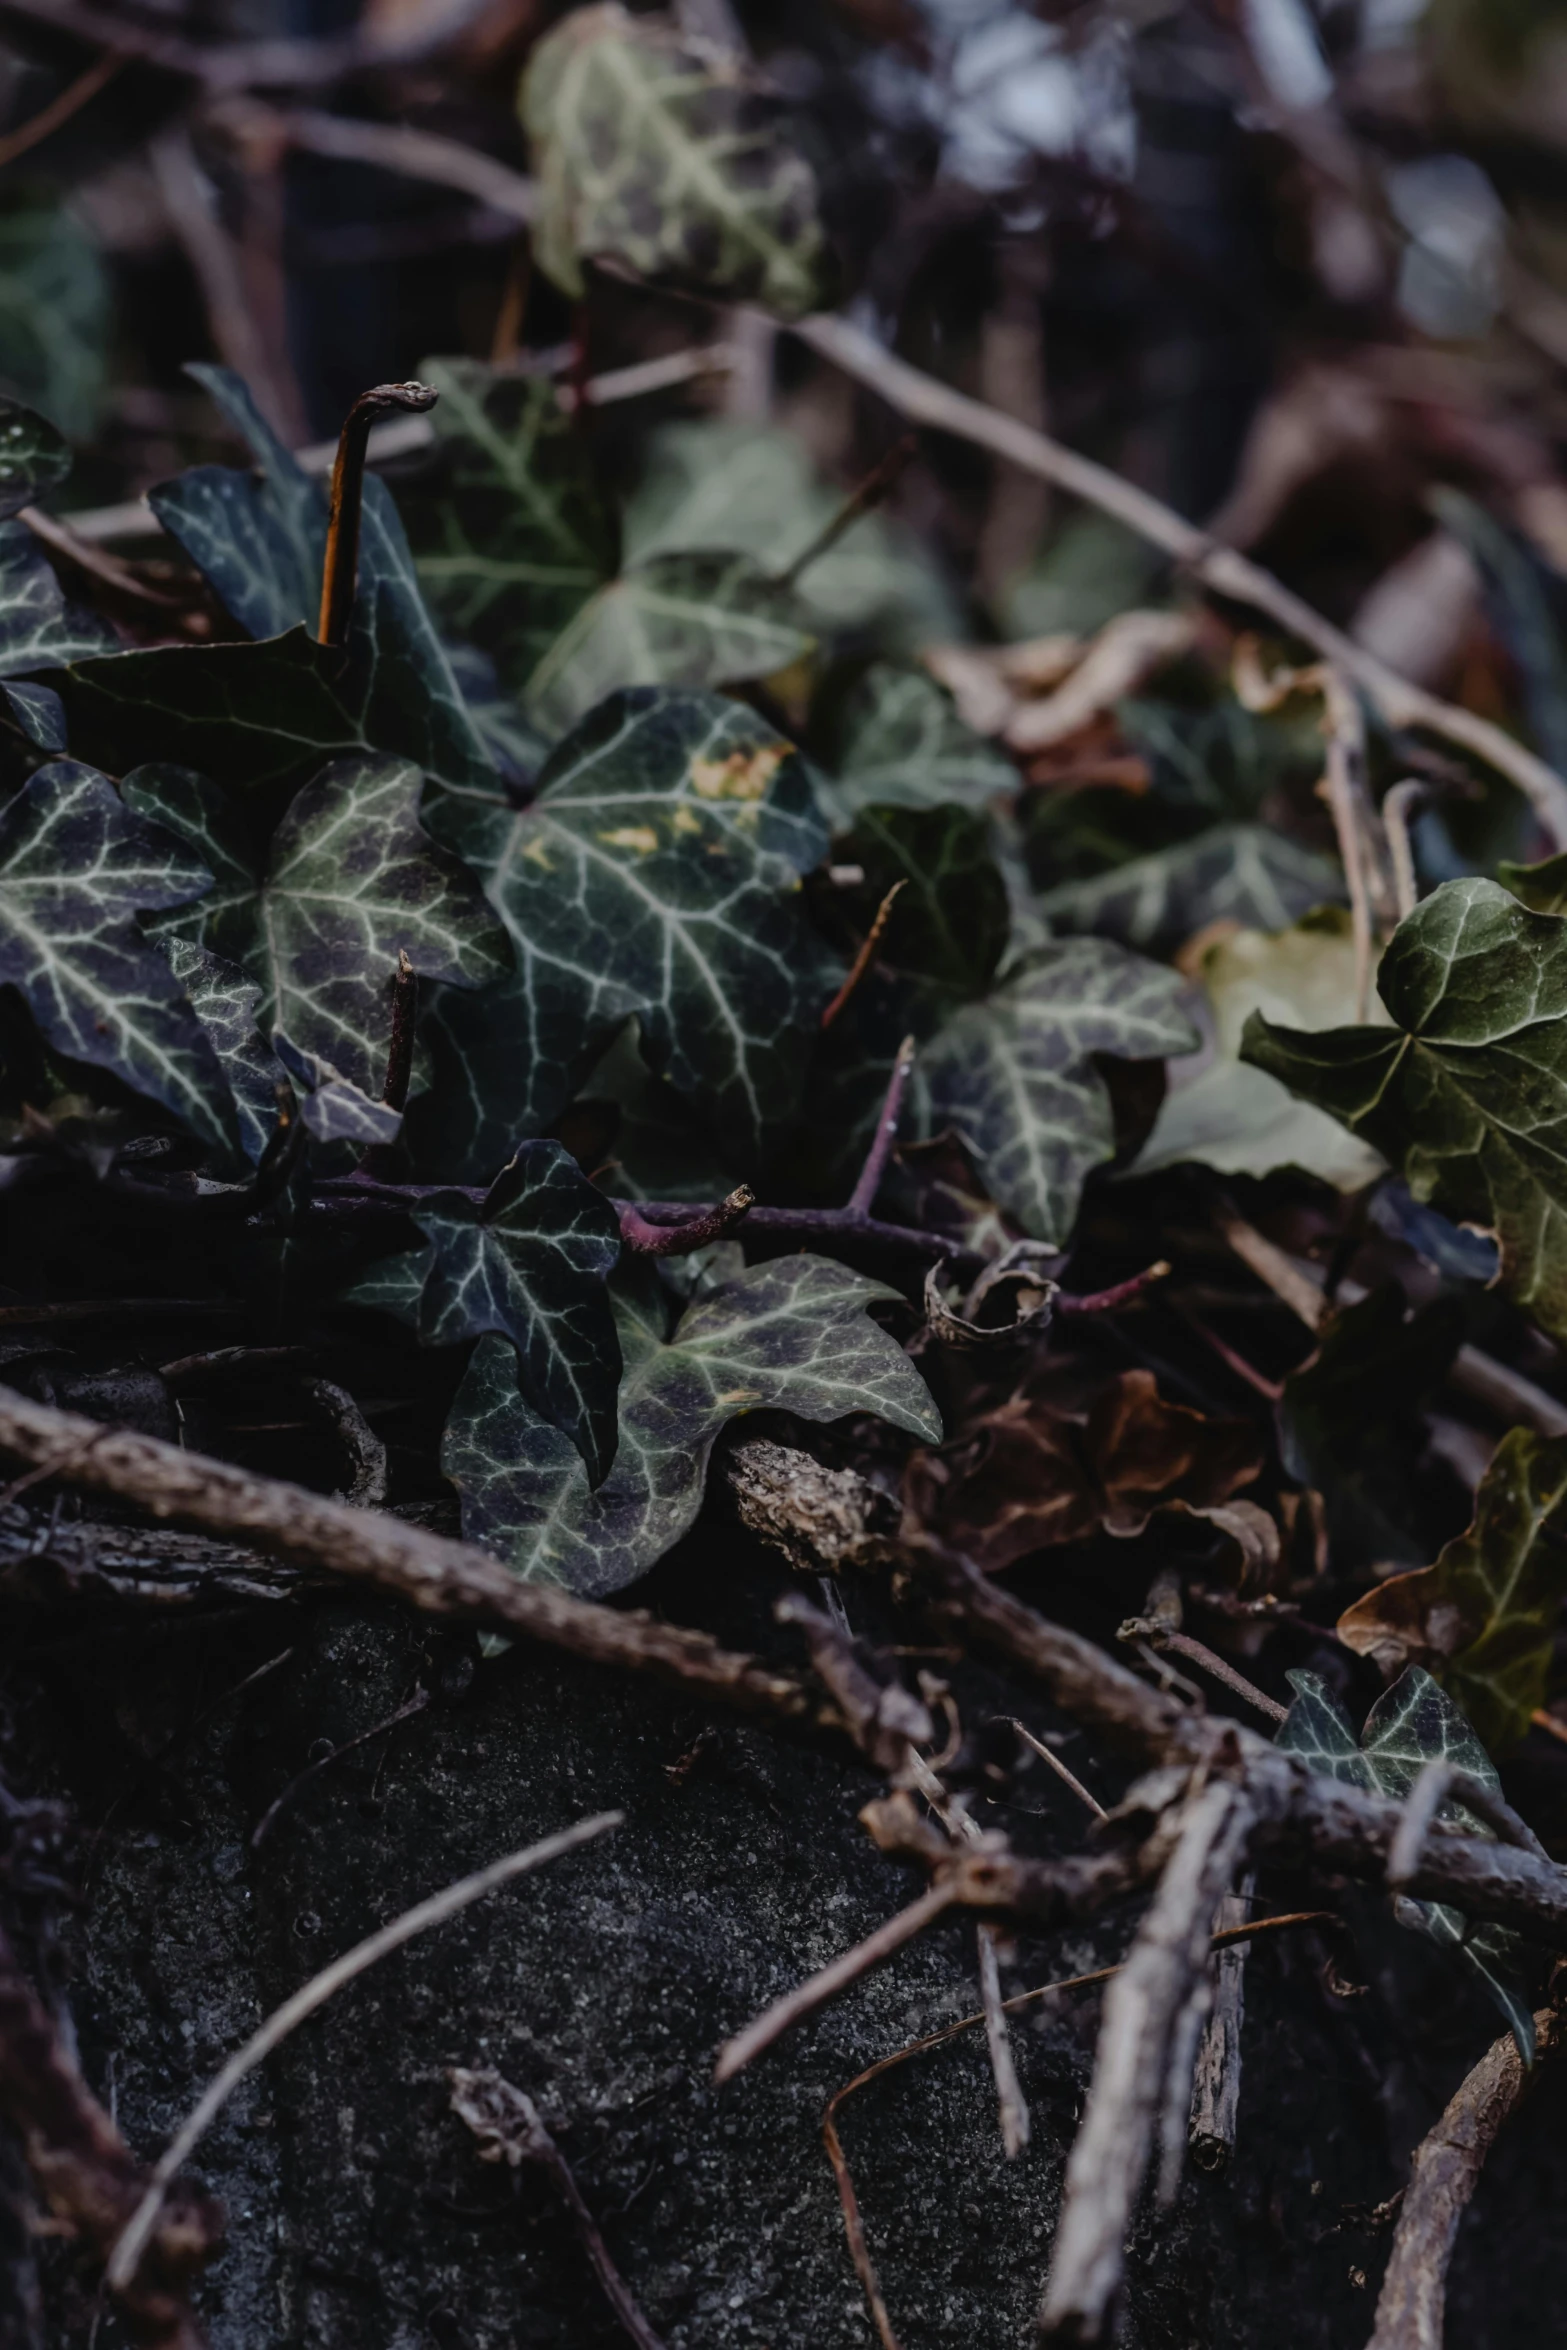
(863,1197)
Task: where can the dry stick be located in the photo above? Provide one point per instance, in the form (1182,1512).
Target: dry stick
(1220,569)
(877,485)
(1398,806)
(322,1987)
(1058,1766)
(863,1197)
(1140,2047)
(60,108)
(114,574)
(1342,789)
(1011,2104)
(439,1576)
(366,1453)
(1479,1376)
(1444,2172)
(862,961)
(817,1989)
(296,1786)
(340,572)
(188,203)
(1216,2085)
(853,2227)
(1158,1637)
(510,2129)
(1109,1301)
(85,2171)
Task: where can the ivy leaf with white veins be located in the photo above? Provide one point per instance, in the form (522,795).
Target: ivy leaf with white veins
(281,705)
(903,745)
(1245,873)
(657,872)
(793,1335)
(34,458)
(1412,1724)
(332,1109)
(509,532)
(530,1265)
(1466,1094)
(76,869)
(349,880)
(39,628)
(224,999)
(663,155)
(1015,1074)
(678,620)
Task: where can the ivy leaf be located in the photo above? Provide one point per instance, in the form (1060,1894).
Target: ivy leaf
(509,533)
(1412,1724)
(530,1265)
(949,924)
(334,1110)
(39,627)
(1483,1619)
(261,539)
(1015,1074)
(319,916)
(1460,1093)
(663,156)
(76,869)
(225,1000)
(34,458)
(678,620)
(1235,1117)
(903,745)
(793,1334)
(1243,873)
(37,714)
(656,873)
(54,313)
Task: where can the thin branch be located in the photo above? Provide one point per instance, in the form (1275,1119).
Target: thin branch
(1139,2063)
(400,1046)
(510,2129)
(1058,1766)
(1219,569)
(866,956)
(340,572)
(296,1786)
(62,106)
(815,1992)
(366,1489)
(109,569)
(394,147)
(438,1576)
(1216,2085)
(863,1197)
(1110,1301)
(1342,788)
(1398,806)
(678,1240)
(192,216)
(88,2175)
(1011,2104)
(1161,1636)
(1443,2175)
(878,484)
(285,2019)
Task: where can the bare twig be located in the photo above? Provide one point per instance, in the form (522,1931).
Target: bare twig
(1216,2086)
(866,956)
(69,101)
(678,1240)
(877,485)
(885,1721)
(1058,1766)
(509,2129)
(188,204)
(87,2174)
(424,1916)
(108,568)
(1011,2104)
(1160,1637)
(340,572)
(1219,569)
(438,1576)
(863,1197)
(296,1786)
(1111,1300)
(805,1999)
(1443,2175)
(1139,2064)
(1398,806)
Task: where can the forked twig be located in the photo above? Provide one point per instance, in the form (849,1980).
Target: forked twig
(304,2003)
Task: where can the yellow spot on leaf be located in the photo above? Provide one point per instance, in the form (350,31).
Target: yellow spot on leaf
(537,852)
(744,775)
(739,1397)
(684,821)
(640,837)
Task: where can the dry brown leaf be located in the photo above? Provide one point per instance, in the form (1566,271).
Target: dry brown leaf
(1032,1474)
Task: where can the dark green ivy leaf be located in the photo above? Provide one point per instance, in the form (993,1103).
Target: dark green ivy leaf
(509,532)
(656,874)
(1243,873)
(1014,1075)
(949,924)
(530,1265)
(1464,1094)
(793,1334)
(677,620)
(54,302)
(1412,1724)
(225,1000)
(333,1110)
(903,745)
(669,158)
(34,458)
(320,914)
(76,869)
